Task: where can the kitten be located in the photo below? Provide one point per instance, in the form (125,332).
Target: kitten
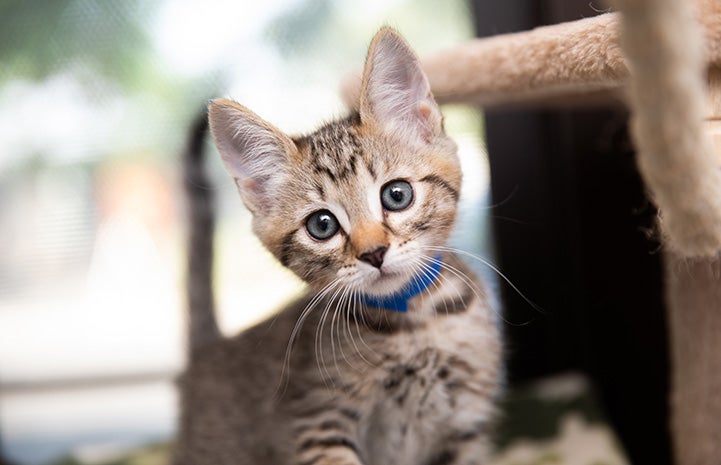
(393,355)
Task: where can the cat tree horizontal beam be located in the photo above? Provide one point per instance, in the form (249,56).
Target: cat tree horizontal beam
(573,62)
(580,59)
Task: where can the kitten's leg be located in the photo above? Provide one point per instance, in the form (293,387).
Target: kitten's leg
(327,440)
(333,450)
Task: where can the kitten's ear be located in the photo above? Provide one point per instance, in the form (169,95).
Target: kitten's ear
(395,92)
(254,152)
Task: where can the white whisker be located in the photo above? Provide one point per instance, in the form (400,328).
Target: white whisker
(359,308)
(472,286)
(320,359)
(352,313)
(492,267)
(426,268)
(342,313)
(285,370)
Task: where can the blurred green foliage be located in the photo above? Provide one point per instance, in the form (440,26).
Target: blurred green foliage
(41,37)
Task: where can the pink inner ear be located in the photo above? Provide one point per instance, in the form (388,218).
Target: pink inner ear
(256,189)
(425,111)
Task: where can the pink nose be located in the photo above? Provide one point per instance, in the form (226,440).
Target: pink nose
(375,258)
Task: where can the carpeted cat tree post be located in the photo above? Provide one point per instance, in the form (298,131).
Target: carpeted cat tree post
(681,168)
(663,58)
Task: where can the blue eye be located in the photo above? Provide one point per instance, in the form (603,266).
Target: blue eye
(396,195)
(322,225)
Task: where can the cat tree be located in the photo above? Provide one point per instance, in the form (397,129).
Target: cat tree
(662,58)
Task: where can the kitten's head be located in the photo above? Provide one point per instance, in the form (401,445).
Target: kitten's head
(359,200)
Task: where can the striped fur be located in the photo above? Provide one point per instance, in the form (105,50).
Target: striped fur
(329,380)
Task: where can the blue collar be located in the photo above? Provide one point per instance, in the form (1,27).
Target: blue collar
(398,302)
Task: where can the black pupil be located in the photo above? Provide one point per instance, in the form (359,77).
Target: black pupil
(397,194)
(324,222)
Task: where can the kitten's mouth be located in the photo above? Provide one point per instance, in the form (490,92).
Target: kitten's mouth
(386,273)
(388,281)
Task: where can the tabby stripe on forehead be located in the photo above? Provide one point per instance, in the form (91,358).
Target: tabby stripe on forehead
(438,181)
(318,169)
(335,151)
(321,191)
(371,170)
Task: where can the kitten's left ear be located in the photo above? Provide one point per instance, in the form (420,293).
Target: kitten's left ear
(395,92)
(255,153)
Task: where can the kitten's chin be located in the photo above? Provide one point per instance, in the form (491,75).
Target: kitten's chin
(386,283)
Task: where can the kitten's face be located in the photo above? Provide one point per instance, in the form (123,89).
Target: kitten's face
(360,201)
(362,209)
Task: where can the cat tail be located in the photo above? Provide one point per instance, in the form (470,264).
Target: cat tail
(202,327)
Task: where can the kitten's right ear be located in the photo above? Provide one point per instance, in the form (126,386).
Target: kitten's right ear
(395,92)
(254,152)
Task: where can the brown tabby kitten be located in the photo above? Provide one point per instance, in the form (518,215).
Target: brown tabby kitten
(392,357)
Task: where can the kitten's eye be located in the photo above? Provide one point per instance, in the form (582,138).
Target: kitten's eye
(396,195)
(322,225)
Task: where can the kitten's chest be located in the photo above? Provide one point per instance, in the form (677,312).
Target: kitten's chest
(435,387)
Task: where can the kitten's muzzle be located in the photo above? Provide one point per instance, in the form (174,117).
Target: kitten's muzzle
(375,257)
